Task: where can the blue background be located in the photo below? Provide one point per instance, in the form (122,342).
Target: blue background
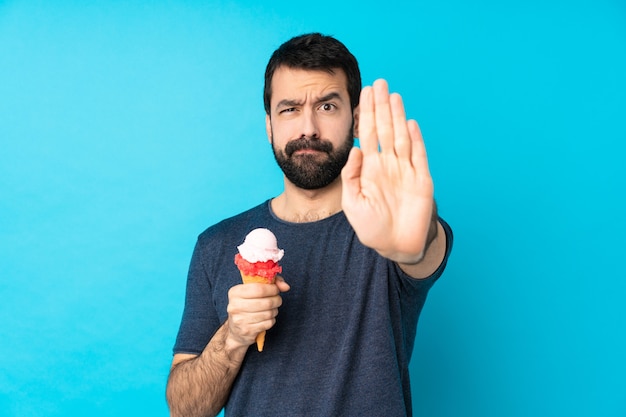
(126,128)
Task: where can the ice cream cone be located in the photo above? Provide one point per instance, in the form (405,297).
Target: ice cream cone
(257,262)
(255,279)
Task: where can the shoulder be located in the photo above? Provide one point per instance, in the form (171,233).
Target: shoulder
(225,235)
(233,225)
(220,241)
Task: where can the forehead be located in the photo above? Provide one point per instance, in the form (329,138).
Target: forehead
(294,82)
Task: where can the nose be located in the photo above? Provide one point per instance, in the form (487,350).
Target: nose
(310,125)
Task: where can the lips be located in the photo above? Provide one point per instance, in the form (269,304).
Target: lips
(307,151)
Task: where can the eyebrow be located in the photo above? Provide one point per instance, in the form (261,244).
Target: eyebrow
(294,103)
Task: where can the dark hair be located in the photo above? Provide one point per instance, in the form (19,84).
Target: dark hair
(317,52)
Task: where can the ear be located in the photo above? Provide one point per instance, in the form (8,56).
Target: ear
(268,127)
(355,118)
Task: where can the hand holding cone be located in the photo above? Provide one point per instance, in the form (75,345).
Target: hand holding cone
(257,262)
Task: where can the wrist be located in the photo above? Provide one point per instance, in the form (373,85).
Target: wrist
(225,344)
(415,258)
(410,260)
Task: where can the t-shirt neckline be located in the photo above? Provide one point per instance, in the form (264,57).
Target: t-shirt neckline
(268,205)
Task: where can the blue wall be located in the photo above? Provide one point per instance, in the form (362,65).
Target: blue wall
(126,128)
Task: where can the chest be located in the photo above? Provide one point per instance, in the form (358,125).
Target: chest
(331,278)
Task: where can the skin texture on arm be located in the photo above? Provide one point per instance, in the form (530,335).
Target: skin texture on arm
(388,193)
(200,385)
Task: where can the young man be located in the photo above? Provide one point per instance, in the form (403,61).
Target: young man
(363,245)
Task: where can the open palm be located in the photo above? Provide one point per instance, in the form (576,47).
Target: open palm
(387,187)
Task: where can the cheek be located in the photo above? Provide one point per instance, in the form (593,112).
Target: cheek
(340,129)
(282,132)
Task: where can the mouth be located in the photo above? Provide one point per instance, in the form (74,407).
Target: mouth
(307,151)
(307,147)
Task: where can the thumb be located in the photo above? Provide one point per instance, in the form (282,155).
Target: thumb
(351,177)
(281,284)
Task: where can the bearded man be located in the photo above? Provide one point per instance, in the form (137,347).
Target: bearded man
(363,245)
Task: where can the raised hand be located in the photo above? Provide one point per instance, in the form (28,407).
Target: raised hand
(387,187)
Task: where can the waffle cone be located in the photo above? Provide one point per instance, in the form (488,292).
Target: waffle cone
(255,279)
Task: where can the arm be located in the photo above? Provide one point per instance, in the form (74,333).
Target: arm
(199,385)
(388,193)
(434,255)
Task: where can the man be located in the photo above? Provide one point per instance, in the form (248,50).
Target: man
(363,244)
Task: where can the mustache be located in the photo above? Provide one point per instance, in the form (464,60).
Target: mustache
(308,143)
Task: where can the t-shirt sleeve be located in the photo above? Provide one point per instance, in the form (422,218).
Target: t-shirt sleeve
(449,239)
(200,320)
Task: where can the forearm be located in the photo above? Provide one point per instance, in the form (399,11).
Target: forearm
(433,230)
(434,255)
(200,386)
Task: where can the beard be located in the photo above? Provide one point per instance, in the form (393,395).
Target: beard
(313,171)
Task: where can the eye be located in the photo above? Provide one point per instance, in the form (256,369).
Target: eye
(288,110)
(327,107)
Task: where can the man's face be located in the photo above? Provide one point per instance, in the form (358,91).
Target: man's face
(310,125)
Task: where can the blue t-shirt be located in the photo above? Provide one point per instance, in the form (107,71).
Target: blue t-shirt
(344,334)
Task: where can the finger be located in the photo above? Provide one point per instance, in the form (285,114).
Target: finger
(251,306)
(266,324)
(367,124)
(419,159)
(254,317)
(384,121)
(254,298)
(263,315)
(351,178)
(402,139)
(282,284)
(252,291)
(248,326)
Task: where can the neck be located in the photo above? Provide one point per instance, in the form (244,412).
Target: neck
(298,205)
